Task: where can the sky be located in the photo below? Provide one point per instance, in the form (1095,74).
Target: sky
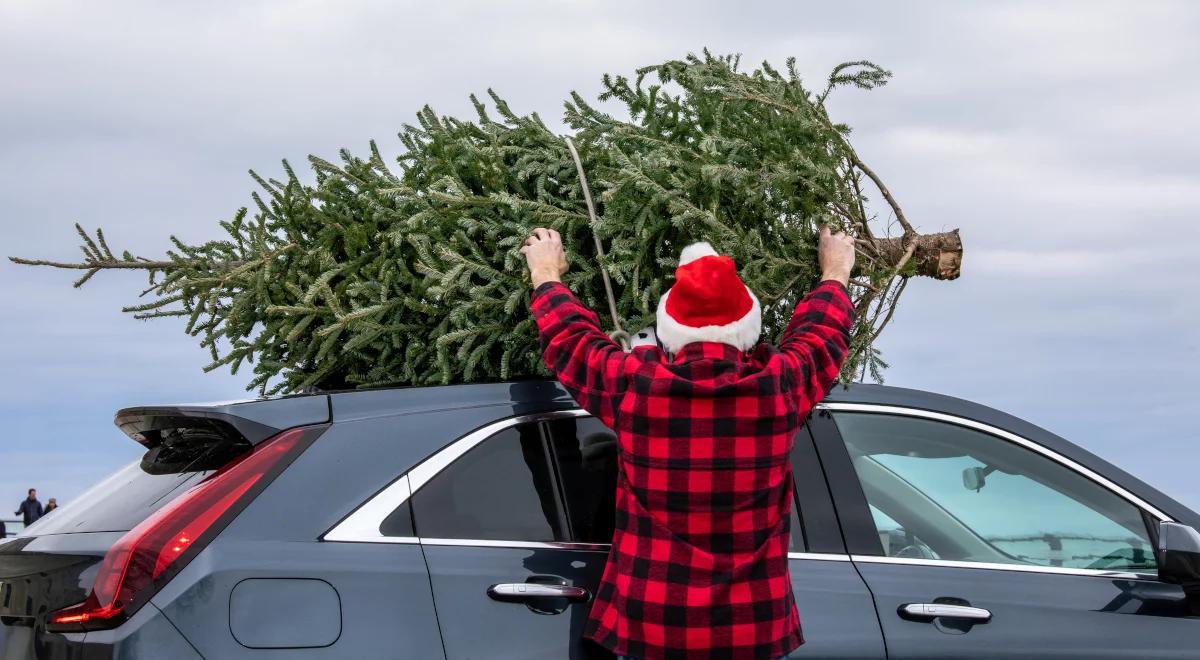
(1062,138)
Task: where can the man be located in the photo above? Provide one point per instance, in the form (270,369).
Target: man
(698,565)
(30,507)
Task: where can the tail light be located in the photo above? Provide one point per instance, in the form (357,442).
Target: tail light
(149,555)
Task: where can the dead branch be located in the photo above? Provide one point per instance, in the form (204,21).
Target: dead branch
(107,264)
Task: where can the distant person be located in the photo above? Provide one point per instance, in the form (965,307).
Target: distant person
(3,531)
(30,508)
(51,505)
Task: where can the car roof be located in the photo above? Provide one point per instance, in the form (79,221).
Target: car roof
(544,392)
(533,394)
(539,394)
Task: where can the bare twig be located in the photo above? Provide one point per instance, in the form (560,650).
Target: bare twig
(858,198)
(865,284)
(141,263)
(887,195)
(908,253)
(891,311)
(111,263)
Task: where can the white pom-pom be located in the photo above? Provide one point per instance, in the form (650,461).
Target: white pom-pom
(695,251)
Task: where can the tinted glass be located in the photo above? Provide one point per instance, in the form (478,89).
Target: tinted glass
(503,489)
(586,456)
(399,522)
(940,491)
(118,503)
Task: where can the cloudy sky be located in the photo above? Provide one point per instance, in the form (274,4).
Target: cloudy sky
(1063,138)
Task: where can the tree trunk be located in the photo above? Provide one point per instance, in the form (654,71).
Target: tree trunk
(936,255)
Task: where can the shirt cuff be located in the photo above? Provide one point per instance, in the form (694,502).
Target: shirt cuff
(542,295)
(837,284)
(545,287)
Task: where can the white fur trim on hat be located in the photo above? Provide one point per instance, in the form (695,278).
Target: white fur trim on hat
(742,334)
(695,251)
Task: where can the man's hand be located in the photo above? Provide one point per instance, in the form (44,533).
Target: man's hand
(544,253)
(836,253)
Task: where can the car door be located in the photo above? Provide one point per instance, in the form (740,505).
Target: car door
(837,614)
(515,522)
(976,542)
(508,578)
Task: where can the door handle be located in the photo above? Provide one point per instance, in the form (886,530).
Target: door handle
(935,610)
(523,591)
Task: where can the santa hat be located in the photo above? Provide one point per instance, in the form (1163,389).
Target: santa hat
(709,302)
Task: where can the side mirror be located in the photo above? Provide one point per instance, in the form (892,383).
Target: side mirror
(1179,559)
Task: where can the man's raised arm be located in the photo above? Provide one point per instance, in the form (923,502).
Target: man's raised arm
(588,363)
(816,342)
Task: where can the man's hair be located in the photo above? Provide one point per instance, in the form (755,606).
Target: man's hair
(32,491)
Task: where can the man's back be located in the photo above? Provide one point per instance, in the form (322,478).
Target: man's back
(698,564)
(705,438)
(703,506)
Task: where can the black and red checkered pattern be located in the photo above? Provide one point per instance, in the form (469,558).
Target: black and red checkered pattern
(698,566)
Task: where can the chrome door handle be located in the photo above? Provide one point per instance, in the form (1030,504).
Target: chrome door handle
(935,610)
(521,591)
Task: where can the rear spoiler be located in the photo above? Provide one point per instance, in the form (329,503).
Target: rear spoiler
(206,435)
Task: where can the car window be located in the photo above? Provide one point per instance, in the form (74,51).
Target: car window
(502,489)
(942,491)
(399,522)
(585,452)
(119,502)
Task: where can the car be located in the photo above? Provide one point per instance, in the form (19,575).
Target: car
(473,521)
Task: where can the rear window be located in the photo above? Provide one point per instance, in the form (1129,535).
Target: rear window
(118,503)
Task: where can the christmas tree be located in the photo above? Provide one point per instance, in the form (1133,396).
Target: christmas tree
(378,275)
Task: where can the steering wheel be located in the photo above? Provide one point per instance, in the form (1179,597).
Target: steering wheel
(917,550)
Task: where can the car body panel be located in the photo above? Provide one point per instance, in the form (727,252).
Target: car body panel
(836,611)
(386,606)
(475,626)
(148,634)
(1034,615)
(522,397)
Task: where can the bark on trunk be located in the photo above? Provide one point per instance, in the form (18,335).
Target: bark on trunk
(936,255)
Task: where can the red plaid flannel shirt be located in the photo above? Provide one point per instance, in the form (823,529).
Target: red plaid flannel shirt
(698,566)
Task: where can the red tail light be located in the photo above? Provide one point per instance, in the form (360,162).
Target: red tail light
(149,555)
